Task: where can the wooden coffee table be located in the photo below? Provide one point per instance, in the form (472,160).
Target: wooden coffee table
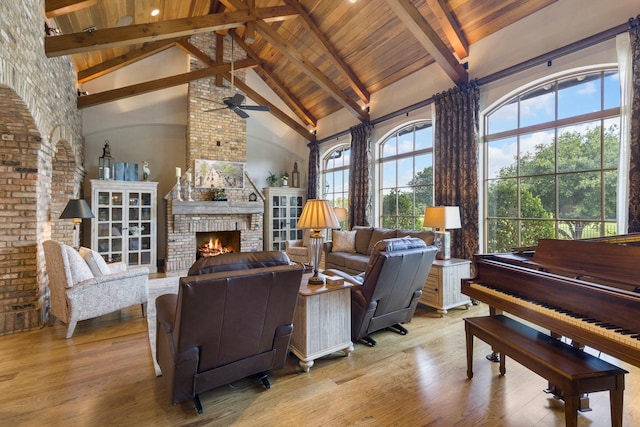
(322,322)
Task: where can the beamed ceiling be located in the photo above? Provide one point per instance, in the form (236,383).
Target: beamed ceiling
(318,56)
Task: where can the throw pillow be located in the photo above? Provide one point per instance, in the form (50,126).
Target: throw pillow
(78,268)
(94,260)
(344,241)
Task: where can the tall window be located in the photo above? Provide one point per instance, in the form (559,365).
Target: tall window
(406,176)
(335,170)
(552,156)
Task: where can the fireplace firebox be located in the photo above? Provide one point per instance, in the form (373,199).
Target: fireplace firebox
(216,243)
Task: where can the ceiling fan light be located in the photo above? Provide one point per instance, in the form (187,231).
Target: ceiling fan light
(123,21)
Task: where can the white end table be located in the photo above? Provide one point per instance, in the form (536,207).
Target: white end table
(322,322)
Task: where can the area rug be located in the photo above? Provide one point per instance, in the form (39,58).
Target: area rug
(157,287)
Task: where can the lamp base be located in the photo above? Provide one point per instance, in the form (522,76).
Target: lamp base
(316,280)
(444,237)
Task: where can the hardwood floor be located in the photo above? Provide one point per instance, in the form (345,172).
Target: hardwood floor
(103,376)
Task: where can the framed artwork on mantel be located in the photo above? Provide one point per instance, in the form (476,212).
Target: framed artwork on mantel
(218,174)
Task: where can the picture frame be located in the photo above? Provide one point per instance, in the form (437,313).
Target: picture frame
(218,174)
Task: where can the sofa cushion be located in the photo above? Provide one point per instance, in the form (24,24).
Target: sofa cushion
(426,235)
(344,241)
(363,235)
(78,268)
(380,234)
(94,260)
(335,259)
(238,261)
(356,262)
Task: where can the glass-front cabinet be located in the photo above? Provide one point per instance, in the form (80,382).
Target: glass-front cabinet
(283,208)
(125,225)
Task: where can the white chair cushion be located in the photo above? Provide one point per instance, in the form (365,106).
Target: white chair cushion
(79,269)
(344,241)
(96,263)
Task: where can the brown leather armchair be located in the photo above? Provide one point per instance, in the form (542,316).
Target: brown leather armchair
(387,293)
(232,322)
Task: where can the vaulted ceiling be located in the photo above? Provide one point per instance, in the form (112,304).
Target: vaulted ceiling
(318,56)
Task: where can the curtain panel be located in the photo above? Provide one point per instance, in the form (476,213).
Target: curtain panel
(359,176)
(456,162)
(314,170)
(634,142)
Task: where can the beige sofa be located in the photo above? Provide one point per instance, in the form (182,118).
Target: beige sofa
(354,259)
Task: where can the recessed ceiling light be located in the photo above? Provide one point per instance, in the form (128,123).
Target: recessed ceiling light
(123,21)
(155,12)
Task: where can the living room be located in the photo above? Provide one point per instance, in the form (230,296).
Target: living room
(63,143)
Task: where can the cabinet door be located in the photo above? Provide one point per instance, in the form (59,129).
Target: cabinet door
(139,228)
(110,225)
(279,226)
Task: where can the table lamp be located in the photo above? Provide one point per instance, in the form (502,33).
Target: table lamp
(76,210)
(442,218)
(341,215)
(317,215)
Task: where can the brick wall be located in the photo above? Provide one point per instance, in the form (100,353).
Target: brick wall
(40,136)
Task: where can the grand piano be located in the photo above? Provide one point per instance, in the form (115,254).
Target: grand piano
(587,291)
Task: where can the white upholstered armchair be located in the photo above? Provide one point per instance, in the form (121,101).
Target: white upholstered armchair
(84,286)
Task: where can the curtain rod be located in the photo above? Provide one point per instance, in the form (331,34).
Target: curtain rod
(541,59)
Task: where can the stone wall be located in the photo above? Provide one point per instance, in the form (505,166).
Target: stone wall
(40,136)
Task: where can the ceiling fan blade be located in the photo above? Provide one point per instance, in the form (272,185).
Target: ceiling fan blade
(254,107)
(214,109)
(237,98)
(240,113)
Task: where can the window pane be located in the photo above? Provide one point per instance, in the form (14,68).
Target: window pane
(389,199)
(405,171)
(538,106)
(389,147)
(504,118)
(611,142)
(579,147)
(537,153)
(579,196)
(502,235)
(531,231)
(405,143)
(424,137)
(388,174)
(579,95)
(611,89)
(610,194)
(502,200)
(538,196)
(502,158)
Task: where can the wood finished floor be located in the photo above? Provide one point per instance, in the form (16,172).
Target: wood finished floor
(103,376)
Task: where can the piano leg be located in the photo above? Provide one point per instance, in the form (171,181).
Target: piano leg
(494,356)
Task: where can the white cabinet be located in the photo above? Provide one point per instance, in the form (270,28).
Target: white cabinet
(442,288)
(125,223)
(283,206)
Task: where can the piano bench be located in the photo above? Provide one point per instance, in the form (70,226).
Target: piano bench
(569,369)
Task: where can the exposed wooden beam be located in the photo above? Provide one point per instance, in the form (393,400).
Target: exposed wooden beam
(255,96)
(451,27)
(124,60)
(158,84)
(270,35)
(277,85)
(330,52)
(420,28)
(281,115)
(250,29)
(53,8)
(141,33)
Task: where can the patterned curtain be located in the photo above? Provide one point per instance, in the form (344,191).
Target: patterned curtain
(456,162)
(634,152)
(359,177)
(314,170)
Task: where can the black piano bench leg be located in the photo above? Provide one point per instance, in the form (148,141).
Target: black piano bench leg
(264,377)
(198,404)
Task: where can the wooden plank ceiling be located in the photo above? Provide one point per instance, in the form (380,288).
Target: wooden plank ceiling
(319,56)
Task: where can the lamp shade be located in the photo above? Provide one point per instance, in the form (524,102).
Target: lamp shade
(316,215)
(341,214)
(442,217)
(76,208)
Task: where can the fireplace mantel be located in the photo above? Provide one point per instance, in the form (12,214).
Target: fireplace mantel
(216,208)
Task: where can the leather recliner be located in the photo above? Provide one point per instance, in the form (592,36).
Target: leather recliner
(231,322)
(388,291)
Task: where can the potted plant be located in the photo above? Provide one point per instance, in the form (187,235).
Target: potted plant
(284,178)
(272,179)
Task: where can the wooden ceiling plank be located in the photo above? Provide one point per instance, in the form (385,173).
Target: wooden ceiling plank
(331,53)
(124,60)
(277,41)
(277,85)
(158,84)
(53,8)
(141,33)
(451,28)
(420,28)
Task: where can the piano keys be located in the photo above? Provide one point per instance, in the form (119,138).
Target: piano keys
(584,290)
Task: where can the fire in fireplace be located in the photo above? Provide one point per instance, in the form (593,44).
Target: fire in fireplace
(217,243)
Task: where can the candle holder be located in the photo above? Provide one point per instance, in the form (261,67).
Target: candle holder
(189,189)
(178,189)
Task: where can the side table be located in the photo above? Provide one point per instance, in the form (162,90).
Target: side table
(442,288)
(322,322)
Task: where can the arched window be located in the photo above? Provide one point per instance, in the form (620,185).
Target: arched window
(406,176)
(335,176)
(551,156)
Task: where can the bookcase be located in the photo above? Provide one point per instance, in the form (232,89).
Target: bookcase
(283,206)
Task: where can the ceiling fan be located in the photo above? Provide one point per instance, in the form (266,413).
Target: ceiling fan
(234,103)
